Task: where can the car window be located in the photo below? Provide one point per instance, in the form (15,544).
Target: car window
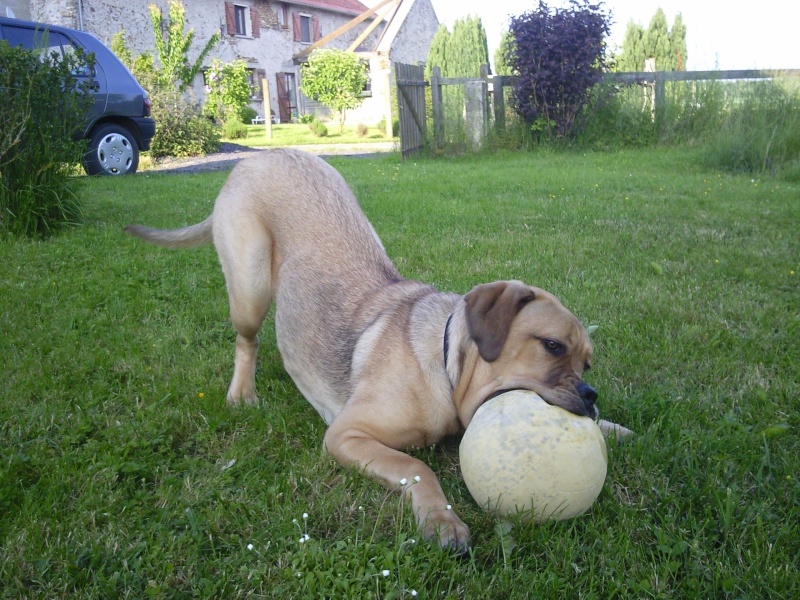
(44,42)
(41,40)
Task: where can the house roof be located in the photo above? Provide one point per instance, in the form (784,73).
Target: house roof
(350,7)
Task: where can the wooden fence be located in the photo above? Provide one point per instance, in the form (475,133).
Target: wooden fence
(411,107)
(482,100)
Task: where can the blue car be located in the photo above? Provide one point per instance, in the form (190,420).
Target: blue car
(119,124)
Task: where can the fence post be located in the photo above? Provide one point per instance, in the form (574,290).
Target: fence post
(436,106)
(499,103)
(659,102)
(267,107)
(476,106)
(650,88)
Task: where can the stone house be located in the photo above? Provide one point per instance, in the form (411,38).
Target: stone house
(269,35)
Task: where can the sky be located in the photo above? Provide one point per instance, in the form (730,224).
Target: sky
(720,34)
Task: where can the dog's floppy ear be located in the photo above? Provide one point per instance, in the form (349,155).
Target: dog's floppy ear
(490,309)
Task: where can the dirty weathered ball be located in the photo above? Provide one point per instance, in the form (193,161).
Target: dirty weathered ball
(520,454)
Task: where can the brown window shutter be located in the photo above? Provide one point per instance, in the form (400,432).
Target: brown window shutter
(315,22)
(255,22)
(230,18)
(297,28)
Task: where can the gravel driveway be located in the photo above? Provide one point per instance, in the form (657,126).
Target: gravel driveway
(229,154)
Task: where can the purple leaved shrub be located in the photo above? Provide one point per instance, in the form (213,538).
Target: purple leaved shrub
(558,55)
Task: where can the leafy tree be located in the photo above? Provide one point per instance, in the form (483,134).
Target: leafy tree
(558,55)
(182,130)
(173,49)
(229,89)
(336,79)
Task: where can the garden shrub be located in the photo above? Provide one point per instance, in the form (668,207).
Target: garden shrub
(43,106)
(558,55)
(228,90)
(247,114)
(181,129)
(307,118)
(234,129)
(362,130)
(318,129)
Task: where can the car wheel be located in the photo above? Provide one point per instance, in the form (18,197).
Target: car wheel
(112,151)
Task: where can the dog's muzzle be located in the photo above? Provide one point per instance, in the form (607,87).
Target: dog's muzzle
(589,397)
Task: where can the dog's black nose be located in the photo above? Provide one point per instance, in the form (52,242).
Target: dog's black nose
(587,393)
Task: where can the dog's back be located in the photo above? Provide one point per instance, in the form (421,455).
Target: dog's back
(289,218)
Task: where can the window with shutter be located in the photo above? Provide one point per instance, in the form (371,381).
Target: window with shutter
(305,28)
(230,18)
(315,24)
(255,22)
(241,19)
(296,24)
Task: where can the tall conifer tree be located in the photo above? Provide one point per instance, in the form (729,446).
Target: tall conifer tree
(677,40)
(468,48)
(667,46)
(437,54)
(657,43)
(502,66)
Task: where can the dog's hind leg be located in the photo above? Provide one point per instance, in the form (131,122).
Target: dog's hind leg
(245,255)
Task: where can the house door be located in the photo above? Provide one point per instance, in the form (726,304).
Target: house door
(287,97)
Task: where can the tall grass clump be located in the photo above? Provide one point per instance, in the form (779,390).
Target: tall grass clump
(760,132)
(744,127)
(625,116)
(43,106)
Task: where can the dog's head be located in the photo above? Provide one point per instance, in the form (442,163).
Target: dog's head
(521,337)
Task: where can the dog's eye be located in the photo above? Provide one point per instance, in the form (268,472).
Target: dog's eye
(554,347)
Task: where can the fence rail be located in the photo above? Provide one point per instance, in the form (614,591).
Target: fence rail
(487,86)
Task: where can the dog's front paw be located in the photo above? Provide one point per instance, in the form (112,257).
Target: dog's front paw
(444,526)
(236,400)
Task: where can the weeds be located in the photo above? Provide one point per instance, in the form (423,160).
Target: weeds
(37,150)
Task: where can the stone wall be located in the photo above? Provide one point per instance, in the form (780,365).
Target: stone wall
(413,40)
(57,12)
(20,9)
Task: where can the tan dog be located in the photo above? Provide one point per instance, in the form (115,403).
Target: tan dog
(388,363)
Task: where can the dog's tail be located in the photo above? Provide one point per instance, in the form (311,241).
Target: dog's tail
(185,237)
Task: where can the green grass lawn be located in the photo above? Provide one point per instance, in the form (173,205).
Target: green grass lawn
(294,134)
(124,473)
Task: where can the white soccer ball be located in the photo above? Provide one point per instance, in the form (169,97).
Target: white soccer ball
(520,454)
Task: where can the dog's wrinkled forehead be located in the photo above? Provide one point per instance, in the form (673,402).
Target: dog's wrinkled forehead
(549,319)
